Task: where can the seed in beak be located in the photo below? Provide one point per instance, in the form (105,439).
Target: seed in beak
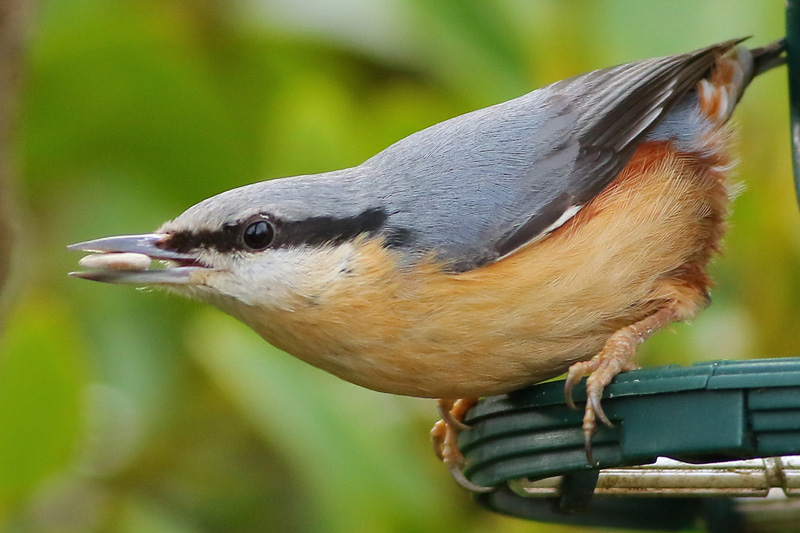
(117,261)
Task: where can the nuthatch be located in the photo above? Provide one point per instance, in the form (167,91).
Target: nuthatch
(550,233)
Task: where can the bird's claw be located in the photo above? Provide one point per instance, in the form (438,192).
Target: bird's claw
(574,375)
(462,480)
(616,357)
(452,412)
(591,414)
(597,408)
(444,436)
(444,433)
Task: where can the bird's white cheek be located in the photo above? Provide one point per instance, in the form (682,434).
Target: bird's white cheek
(279,279)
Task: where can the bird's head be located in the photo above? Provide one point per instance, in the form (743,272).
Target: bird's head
(264,245)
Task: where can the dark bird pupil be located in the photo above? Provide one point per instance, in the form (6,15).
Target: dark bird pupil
(258,235)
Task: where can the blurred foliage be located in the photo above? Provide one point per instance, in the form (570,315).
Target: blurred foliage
(124,410)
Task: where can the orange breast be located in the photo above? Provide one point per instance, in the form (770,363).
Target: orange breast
(423,332)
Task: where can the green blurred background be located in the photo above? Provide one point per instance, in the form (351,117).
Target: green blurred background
(126,410)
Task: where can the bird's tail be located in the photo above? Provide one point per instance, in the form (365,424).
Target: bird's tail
(731,75)
(768,57)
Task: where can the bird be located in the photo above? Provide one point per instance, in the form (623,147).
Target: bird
(548,234)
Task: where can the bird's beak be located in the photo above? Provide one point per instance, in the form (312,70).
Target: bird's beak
(128,259)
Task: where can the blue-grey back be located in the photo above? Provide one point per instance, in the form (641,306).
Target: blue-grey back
(477,187)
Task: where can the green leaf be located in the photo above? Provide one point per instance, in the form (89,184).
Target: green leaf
(42,374)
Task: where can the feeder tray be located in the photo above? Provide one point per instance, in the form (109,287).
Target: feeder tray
(706,413)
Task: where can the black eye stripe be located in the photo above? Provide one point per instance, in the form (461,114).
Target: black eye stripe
(223,240)
(311,231)
(326,229)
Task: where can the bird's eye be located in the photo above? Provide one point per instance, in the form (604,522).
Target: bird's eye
(258,234)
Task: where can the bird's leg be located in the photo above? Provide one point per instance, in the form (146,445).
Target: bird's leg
(444,436)
(615,357)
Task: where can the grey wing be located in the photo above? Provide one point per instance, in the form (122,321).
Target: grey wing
(478,187)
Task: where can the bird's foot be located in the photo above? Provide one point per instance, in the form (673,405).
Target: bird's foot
(444,436)
(616,356)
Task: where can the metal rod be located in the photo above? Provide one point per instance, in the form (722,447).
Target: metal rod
(667,477)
